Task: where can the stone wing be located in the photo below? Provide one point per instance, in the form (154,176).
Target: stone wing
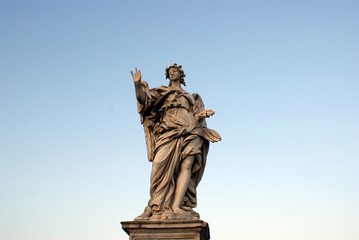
(146,122)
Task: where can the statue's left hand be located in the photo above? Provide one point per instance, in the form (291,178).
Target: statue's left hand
(209,112)
(205,113)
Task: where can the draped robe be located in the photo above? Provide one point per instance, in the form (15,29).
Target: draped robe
(173,131)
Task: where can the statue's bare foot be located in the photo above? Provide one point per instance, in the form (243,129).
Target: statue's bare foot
(145,215)
(181,214)
(193,213)
(186,208)
(155,217)
(179,211)
(168,215)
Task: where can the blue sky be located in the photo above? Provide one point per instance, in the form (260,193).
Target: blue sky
(282,76)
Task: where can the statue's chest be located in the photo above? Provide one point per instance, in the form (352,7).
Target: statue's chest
(176,99)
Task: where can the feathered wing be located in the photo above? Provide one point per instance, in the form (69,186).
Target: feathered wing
(148,129)
(145,112)
(208,134)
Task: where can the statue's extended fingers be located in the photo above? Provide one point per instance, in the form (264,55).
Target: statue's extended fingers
(210,112)
(131,73)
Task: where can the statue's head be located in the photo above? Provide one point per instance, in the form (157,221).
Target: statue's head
(179,68)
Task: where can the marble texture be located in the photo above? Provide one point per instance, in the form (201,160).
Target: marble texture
(166,230)
(177,139)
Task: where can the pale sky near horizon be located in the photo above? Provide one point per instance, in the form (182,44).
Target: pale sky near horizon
(282,76)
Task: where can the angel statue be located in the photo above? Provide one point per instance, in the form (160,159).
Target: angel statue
(177,140)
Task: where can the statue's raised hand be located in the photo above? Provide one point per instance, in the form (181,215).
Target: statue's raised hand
(136,77)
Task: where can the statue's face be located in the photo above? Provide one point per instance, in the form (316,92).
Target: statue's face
(174,74)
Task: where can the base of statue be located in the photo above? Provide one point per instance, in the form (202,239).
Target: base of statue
(166,230)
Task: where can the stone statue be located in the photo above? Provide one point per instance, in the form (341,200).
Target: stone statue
(177,140)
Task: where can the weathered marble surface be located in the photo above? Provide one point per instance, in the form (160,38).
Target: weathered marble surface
(177,139)
(166,230)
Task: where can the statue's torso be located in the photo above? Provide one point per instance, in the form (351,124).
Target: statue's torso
(177,113)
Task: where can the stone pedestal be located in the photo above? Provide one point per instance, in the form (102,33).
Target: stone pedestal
(167,230)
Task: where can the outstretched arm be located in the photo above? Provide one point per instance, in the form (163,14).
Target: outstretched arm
(140,94)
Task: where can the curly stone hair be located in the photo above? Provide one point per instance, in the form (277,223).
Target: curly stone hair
(179,68)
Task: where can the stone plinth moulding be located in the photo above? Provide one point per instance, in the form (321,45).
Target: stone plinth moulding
(166,230)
